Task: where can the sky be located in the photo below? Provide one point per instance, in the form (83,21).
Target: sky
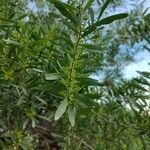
(143,58)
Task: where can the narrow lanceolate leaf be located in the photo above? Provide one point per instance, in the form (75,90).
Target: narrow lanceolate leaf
(69,7)
(33,123)
(71,115)
(38,70)
(89,82)
(145,74)
(142,81)
(25,124)
(61,109)
(40,100)
(104,21)
(86,100)
(88,4)
(73,38)
(52,76)
(62,7)
(103,8)
(91,12)
(91,46)
(11,42)
(69,25)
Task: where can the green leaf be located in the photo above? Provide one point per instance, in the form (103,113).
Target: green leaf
(62,8)
(147,39)
(61,109)
(91,12)
(147,48)
(93,95)
(87,31)
(86,100)
(25,124)
(69,7)
(40,99)
(11,42)
(52,76)
(73,38)
(24,90)
(88,4)
(71,115)
(45,118)
(142,80)
(92,48)
(69,25)
(103,8)
(53,15)
(38,70)
(89,82)
(33,123)
(22,16)
(104,21)
(145,74)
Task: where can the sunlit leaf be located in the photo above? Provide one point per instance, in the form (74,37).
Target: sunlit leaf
(11,42)
(71,115)
(52,76)
(61,109)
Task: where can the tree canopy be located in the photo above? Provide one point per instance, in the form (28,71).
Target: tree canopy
(48,56)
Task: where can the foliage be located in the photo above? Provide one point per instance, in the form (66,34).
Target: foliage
(46,89)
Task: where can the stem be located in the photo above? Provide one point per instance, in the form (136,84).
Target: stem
(75,60)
